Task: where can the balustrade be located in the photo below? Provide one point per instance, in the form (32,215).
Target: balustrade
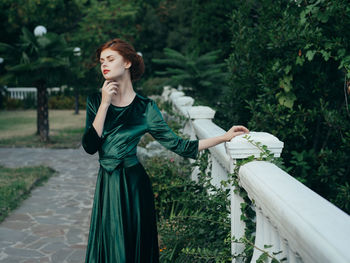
(22,93)
(289,216)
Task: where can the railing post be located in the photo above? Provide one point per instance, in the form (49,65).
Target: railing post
(199,113)
(241,148)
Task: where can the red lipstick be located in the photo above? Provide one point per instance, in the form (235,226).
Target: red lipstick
(105,71)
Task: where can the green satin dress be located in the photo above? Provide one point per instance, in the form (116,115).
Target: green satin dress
(123,224)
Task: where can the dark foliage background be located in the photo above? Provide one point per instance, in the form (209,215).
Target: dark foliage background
(288,64)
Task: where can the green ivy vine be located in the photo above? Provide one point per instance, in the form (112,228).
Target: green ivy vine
(248,214)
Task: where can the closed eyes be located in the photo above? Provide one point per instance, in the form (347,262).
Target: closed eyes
(110,60)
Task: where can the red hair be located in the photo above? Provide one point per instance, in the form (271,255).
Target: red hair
(128,52)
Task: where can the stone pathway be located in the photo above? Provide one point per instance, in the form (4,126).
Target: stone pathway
(52,225)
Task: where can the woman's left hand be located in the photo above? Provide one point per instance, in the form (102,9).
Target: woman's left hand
(235,131)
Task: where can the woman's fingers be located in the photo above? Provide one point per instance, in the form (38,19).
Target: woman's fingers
(235,131)
(109,88)
(112,88)
(240,128)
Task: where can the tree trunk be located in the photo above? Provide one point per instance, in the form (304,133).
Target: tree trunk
(42,112)
(76,100)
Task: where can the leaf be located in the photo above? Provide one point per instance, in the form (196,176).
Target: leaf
(285,83)
(6,48)
(276,66)
(263,257)
(43,41)
(310,54)
(287,69)
(302,17)
(268,246)
(300,60)
(286,98)
(341,52)
(326,55)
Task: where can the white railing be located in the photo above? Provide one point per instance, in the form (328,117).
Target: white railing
(289,216)
(23,92)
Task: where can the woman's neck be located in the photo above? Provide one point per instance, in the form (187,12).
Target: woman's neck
(125,92)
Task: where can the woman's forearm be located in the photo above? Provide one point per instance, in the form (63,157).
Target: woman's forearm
(231,133)
(100,118)
(210,142)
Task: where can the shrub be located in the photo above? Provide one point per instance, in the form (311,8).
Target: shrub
(152,86)
(289,67)
(193,225)
(65,102)
(15,104)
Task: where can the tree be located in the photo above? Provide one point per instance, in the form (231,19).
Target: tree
(202,74)
(38,61)
(289,67)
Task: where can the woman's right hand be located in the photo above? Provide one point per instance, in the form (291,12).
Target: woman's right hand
(109,88)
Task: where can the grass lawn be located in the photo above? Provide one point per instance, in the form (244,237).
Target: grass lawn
(18,129)
(16,184)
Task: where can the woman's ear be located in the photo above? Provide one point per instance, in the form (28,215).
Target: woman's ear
(127,64)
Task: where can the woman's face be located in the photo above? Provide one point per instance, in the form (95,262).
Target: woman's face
(113,65)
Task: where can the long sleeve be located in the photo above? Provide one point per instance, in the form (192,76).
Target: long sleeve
(91,141)
(160,130)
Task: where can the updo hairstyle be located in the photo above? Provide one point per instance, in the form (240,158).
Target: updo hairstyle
(128,52)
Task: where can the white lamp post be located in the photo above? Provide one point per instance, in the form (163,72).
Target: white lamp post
(77,51)
(40,31)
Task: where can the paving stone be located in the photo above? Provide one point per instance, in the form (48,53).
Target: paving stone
(20,217)
(12,259)
(77,256)
(50,220)
(52,247)
(48,230)
(52,224)
(21,252)
(11,235)
(61,255)
(19,225)
(38,260)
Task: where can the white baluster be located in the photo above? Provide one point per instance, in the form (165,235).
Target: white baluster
(237,225)
(275,240)
(259,234)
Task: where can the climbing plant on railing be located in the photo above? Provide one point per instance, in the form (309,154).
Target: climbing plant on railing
(247,207)
(194,217)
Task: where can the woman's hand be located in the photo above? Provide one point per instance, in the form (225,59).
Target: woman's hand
(235,131)
(109,88)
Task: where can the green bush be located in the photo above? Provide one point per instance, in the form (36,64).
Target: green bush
(203,74)
(65,102)
(55,102)
(290,66)
(152,86)
(17,104)
(193,225)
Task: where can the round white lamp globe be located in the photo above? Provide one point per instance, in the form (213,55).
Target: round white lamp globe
(39,31)
(77,51)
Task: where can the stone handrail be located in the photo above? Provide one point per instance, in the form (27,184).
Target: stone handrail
(289,216)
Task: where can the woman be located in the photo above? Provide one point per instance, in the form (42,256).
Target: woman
(123,224)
